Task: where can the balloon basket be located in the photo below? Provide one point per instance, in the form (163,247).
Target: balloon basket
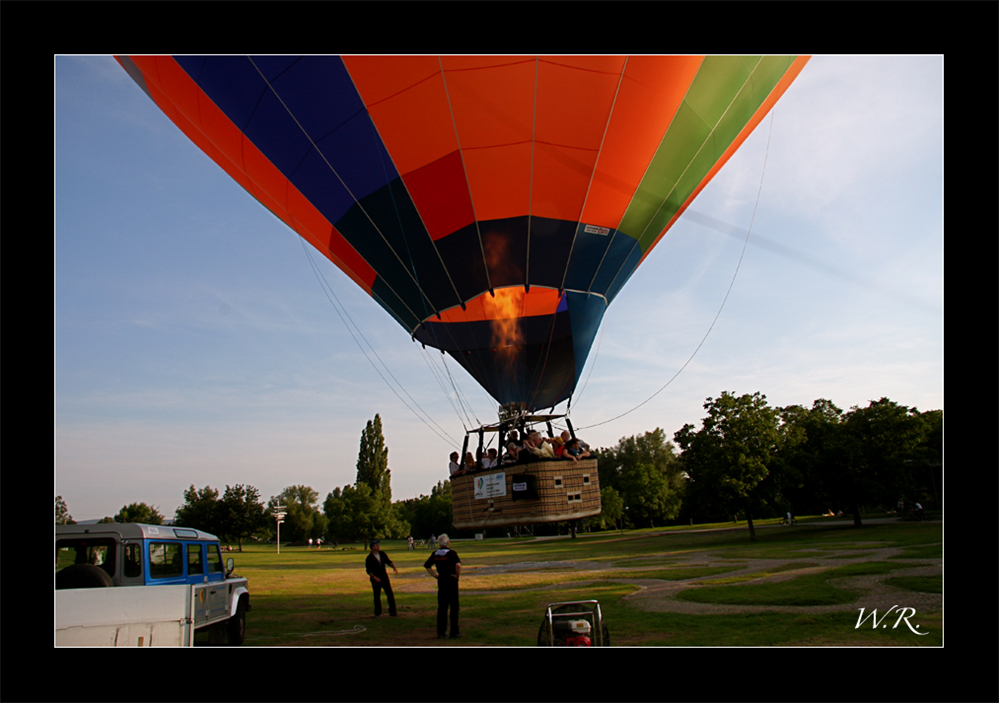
(524,494)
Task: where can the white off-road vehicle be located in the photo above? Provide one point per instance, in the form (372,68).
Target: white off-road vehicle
(125,584)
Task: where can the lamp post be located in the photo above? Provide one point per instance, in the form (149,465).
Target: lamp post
(279,518)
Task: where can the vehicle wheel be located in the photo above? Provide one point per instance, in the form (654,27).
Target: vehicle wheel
(237,625)
(83,576)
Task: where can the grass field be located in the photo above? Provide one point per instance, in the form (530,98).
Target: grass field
(799,586)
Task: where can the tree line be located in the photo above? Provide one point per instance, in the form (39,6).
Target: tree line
(751,460)
(747,459)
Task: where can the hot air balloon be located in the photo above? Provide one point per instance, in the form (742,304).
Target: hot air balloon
(493,205)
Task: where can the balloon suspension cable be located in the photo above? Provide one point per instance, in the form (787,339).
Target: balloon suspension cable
(459,408)
(727,292)
(344,317)
(463,403)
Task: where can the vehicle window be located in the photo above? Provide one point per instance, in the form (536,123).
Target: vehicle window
(97,551)
(132,565)
(214,559)
(166,559)
(195,564)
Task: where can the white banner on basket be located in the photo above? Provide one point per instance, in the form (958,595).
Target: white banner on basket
(490,486)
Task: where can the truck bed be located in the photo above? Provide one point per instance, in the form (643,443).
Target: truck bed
(125,617)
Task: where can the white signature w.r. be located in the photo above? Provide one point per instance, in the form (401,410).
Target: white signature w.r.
(902,615)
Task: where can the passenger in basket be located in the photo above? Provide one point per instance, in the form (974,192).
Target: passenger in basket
(510,456)
(558,443)
(469,464)
(491,461)
(574,450)
(539,447)
(514,437)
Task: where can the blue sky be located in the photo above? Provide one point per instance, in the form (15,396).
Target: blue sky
(195,345)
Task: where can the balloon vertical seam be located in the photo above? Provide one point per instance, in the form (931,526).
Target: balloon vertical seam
(593,174)
(693,158)
(347,189)
(464,168)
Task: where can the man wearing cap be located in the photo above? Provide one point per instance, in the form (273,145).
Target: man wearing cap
(375,566)
(448,567)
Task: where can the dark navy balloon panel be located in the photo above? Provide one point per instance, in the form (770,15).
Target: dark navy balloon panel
(493,205)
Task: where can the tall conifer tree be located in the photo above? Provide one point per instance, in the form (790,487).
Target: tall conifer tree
(372,460)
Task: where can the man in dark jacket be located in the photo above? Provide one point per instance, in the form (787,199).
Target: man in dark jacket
(375,566)
(448,567)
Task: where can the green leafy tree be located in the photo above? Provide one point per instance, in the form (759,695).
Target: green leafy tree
(730,457)
(336,507)
(927,462)
(868,457)
(62,516)
(428,515)
(200,510)
(931,447)
(303,519)
(352,513)
(880,444)
(139,512)
(242,513)
(644,471)
(357,513)
(648,497)
(611,507)
(811,455)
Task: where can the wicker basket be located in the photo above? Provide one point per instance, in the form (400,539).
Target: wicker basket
(545,491)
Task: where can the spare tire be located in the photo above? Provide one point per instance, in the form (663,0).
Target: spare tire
(83,576)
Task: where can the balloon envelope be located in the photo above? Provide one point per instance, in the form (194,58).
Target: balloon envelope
(493,205)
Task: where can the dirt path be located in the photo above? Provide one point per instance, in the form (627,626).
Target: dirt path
(659,595)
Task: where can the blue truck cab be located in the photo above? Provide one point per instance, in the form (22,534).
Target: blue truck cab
(132,554)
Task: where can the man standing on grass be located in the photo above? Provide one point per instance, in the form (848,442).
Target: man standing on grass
(375,566)
(448,567)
